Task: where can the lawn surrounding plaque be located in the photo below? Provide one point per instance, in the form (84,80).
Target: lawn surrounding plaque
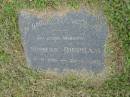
(73,41)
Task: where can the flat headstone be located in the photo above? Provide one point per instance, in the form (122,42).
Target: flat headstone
(73,41)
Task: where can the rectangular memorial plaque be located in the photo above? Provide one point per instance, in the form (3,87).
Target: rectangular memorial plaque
(74,41)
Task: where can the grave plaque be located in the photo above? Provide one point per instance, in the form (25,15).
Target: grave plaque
(73,41)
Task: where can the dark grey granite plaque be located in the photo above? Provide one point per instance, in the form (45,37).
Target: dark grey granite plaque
(74,41)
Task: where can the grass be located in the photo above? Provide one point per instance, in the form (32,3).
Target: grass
(16,80)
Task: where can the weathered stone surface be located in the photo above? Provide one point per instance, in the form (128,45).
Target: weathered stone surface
(74,41)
